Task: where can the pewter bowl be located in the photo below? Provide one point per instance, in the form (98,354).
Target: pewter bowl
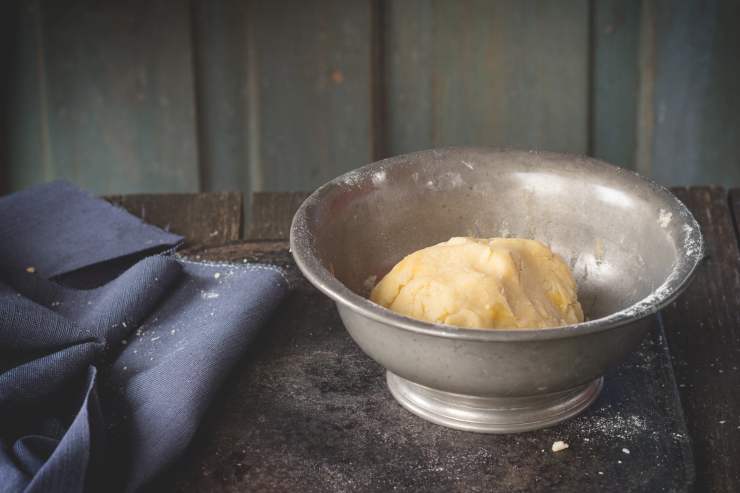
(632,245)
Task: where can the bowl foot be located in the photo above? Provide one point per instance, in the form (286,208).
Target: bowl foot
(492,414)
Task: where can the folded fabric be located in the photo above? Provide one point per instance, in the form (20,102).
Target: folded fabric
(57,228)
(100,389)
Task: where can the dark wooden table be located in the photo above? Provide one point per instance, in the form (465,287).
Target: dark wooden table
(303,449)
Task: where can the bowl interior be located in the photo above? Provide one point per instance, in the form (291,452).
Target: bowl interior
(623,236)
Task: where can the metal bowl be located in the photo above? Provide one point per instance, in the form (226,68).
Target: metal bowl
(632,245)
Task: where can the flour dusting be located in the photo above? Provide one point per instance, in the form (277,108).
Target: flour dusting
(664,218)
(445,181)
(379,177)
(691,245)
(612,425)
(369,283)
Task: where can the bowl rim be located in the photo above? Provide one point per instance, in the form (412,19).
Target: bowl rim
(320,277)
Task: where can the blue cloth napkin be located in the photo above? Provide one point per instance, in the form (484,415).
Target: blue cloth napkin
(100,389)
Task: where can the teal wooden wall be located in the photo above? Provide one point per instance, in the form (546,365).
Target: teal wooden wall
(171,95)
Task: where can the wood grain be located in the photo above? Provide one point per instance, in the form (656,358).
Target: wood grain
(615,74)
(701,328)
(120,95)
(26,153)
(697,104)
(735,210)
(274,252)
(307,410)
(285,95)
(8,51)
(646,90)
(221,75)
(703,331)
(272,214)
(202,218)
(488,73)
(313,118)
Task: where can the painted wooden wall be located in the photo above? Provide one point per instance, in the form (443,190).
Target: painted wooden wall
(171,95)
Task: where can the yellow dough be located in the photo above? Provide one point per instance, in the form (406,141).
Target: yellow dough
(494,283)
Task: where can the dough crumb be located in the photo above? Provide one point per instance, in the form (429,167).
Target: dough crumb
(626,451)
(31,269)
(559,445)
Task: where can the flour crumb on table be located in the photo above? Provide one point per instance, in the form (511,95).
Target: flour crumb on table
(626,451)
(559,445)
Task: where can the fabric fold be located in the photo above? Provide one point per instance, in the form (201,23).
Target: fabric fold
(82,230)
(101,389)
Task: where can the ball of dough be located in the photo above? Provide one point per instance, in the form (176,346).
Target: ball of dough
(496,283)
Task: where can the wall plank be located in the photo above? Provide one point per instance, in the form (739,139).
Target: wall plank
(488,73)
(171,95)
(26,156)
(222,85)
(120,94)
(615,71)
(697,101)
(222,89)
(312,91)
(284,92)
(646,89)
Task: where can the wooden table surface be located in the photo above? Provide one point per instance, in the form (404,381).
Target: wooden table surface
(702,329)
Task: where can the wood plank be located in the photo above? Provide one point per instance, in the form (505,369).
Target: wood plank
(25,152)
(706,366)
(221,66)
(378,79)
(646,90)
(120,94)
(703,331)
(697,104)
(614,44)
(284,92)
(272,214)
(306,388)
(9,36)
(311,93)
(735,209)
(274,252)
(202,218)
(493,73)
